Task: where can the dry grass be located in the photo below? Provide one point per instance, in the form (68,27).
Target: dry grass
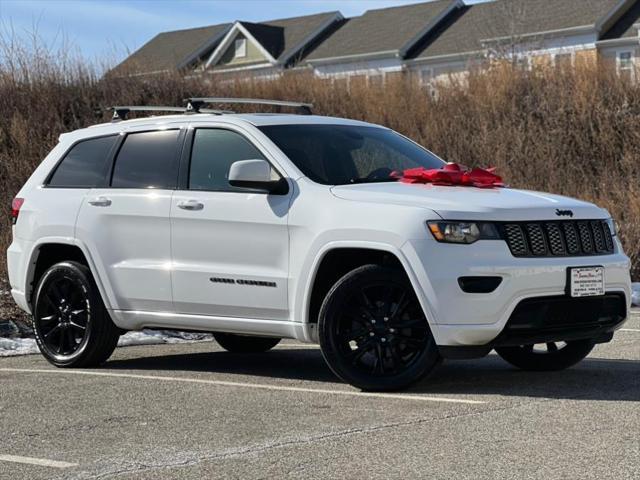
(574,132)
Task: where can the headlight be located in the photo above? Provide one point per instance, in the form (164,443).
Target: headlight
(463,232)
(613,227)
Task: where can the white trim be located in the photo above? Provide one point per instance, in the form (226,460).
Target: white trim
(226,43)
(354,58)
(558,32)
(612,42)
(256,66)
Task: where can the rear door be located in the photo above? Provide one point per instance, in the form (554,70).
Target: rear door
(230,245)
(126,226)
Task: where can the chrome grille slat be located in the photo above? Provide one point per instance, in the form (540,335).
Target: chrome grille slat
(559,238)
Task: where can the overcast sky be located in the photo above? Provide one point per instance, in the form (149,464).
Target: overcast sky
(110,28)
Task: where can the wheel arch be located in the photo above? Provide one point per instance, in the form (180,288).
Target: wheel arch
(49,251)
(358,254)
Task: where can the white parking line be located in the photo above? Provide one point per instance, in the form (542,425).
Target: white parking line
(630,330)
(43,462)
(395,396)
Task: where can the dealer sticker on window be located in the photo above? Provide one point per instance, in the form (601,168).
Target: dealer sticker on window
(586,281)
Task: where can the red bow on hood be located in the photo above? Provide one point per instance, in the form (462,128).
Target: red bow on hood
(451,174)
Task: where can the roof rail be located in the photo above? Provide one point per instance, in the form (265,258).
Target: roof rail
(195,104)
(121,112)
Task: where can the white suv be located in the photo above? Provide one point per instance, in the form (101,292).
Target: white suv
(259,227)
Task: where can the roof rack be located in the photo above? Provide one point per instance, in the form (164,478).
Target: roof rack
(195,104)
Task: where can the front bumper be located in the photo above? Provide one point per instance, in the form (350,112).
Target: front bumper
(467,319)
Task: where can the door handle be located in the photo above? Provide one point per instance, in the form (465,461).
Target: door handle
(190,205)
(100,202)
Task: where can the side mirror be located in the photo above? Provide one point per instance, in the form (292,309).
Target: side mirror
(256,174)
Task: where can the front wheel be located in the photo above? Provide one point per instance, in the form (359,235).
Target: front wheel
(372,330)
(547,356)
(244,343)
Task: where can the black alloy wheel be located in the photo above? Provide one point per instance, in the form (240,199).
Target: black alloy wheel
(548,356)
(373,331)
(71,325)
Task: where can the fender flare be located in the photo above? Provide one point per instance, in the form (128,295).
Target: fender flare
(103,288)
(308,327)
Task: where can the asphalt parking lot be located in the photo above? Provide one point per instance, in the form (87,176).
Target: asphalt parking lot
(194,411)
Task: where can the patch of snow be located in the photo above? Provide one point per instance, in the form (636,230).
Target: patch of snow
(635,294)
(154,337)
(10,347)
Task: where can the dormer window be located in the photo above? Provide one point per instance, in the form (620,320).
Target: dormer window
(240,47)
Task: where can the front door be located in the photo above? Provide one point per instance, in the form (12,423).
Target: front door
(230,245)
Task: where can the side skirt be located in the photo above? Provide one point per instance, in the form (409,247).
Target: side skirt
(137,320)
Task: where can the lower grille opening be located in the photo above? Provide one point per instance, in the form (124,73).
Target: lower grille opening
(479,284)
(536,320)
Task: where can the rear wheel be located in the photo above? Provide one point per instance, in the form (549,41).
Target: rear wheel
(71,325)
(546,356)
(244,343)
(373,332)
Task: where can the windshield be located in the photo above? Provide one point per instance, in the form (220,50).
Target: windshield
(344,154)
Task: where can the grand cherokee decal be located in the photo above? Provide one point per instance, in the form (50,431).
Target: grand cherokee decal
(240,281)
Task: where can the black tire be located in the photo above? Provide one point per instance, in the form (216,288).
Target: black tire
(244,343)
(553,356)
(71,325)
(373,332)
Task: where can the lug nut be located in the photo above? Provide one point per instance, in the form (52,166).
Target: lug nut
(371,334)
(384,339)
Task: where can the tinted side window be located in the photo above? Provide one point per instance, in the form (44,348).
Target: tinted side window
(213,153)
(85,164)
(147,160)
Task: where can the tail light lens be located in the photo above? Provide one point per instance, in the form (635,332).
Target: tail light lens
(16,204)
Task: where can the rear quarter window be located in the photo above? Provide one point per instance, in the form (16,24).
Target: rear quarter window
(85,164)
(147,160)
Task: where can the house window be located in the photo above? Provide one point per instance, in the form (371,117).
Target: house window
(626,67)
(240,48)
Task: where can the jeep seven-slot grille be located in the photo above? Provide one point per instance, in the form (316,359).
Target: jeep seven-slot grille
(565,238)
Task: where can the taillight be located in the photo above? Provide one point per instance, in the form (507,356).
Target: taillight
(16,204)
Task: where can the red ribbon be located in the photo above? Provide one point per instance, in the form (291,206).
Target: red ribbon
(451,174)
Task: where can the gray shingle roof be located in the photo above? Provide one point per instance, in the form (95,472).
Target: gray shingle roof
(382,30)
(168,50)
(513,18)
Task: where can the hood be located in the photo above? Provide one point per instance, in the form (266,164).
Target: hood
(470,203)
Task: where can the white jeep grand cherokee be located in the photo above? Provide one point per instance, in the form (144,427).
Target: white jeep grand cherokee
(259,227)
